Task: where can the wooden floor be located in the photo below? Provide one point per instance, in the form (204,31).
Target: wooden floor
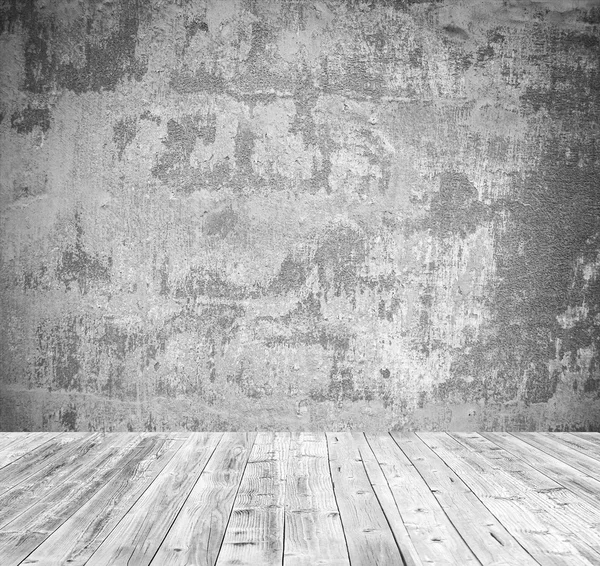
(299,499)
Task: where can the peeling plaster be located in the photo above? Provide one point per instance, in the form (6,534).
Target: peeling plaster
(231,215)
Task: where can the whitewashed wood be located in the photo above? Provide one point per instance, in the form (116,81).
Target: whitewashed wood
(77,458)
(77,503)
(591,436)
(487,538)
(575,480)
(549,543)
(197,533)
(7,438)
(137,537)
(41,462)
(588,447)
(31,442)
(434,537)
(24,533)
(368,534)
(560,504)
(385,497)
(313,529)
(558,450)
(255,532)
(78,537)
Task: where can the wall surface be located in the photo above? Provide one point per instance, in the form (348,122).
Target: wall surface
(294,214)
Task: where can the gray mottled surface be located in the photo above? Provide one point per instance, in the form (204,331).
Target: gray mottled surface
(304,215)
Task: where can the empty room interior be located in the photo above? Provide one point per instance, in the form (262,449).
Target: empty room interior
(300,282)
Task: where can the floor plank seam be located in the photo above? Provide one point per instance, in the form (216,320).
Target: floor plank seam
(250,448)
(538,492)
(336,499)
(579,448)
(545,449)
(31,450)
(33,502)
(508,530)
(434,495)
(22,561)
(404,560)
(140,495)
(390,499)
(183,503)
(555,479)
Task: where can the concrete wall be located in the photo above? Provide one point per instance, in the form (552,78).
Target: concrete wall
(294,214)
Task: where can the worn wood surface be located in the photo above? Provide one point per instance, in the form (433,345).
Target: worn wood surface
(138,536)
(313,529)
(540,532)
(482,532)
(197,533)
(255,533)
(368,534)
(300,499)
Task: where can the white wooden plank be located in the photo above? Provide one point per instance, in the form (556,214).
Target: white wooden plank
(435,539)
(486,537)
(31,442)
(24,533)
(573,479)
(313,530)
(255,532)
(368,535)
(562,506)
(569,455)
(139,534)
(197,533)
(549,543)
(78,537)
(45,457)
(588,447)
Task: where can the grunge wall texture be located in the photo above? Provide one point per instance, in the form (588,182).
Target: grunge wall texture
(294,214)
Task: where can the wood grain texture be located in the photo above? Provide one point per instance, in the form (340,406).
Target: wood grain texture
(336,499)
(45,460)
(549,542)
(575,480)
(385,497)
(368,534)
(7,438)
(563,506)
(54,480)
(197,533)
(26,531)
(255,533)
(584,445)
(561,451)
(486,537)
(17,450)
(313,529)
(79,537)
(591,436)
(434,537)
(137,537)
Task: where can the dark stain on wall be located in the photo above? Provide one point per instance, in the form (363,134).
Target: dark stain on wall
(199,80)
(76,265)
(124,132)
(57,365)
(338,257)
(29,118)
(456,208)
(104,64)
(173,165)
